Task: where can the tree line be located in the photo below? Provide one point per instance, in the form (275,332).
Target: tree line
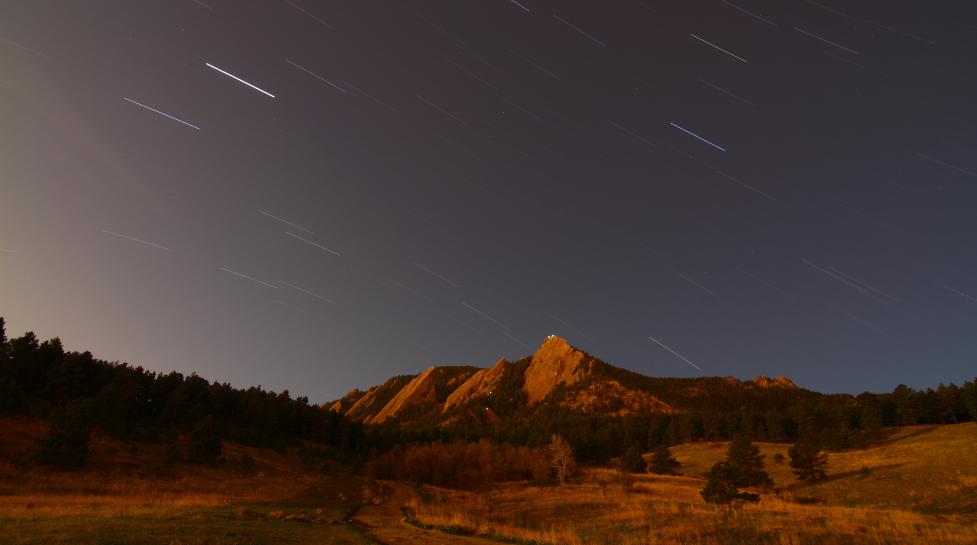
(78,392)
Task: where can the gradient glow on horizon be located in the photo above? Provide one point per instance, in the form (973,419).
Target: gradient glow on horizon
(468,178)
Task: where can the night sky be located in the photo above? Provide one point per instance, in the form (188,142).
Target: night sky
(758,187)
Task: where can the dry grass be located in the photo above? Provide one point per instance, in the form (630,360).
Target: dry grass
(132,497)
(918,489)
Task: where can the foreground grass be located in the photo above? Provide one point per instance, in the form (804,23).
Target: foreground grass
(131,497)
(191,518)
(917,488)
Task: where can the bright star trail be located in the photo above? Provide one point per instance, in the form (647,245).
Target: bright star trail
(714,46)
(178,120)
(674,353)
(232,76)
(690,133)
(315,244)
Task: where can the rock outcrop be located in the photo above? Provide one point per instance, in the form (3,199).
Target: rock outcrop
(777,382)
(419,391)
(556,362)
(371,402)
(480,384)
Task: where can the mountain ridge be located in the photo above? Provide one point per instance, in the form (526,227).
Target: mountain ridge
(557,375)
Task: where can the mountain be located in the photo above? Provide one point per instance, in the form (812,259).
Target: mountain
(403,394)
(557,376)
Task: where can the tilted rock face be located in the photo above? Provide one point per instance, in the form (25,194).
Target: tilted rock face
(343,404)
(368,404)
(365,404)
(555,362)
(480,384)
(419,391)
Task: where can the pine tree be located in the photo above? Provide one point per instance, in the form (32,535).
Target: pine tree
(631,460)
(746,463)
(663,463)
(204,444)
(66,445)
(721,488)
(809,463)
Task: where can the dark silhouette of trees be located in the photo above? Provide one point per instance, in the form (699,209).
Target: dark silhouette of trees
(41,379)
(746,463)
(721,485)
(66,445)
(631,460)
(809,463)
(461,464)
(662,461)
(203,442)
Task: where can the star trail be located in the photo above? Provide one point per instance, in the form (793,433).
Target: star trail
(777,188)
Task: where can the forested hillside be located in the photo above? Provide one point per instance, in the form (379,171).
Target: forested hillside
(600,409)
(78,392)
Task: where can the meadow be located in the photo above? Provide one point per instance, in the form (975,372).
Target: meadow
(130,495)
(919,487)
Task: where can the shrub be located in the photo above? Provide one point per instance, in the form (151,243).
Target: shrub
(662,461)
(631,460)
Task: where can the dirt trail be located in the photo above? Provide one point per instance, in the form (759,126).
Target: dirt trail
(385,523)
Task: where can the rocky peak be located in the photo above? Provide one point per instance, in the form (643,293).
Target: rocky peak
(554,363)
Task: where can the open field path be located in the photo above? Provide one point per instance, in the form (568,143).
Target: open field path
(385,523)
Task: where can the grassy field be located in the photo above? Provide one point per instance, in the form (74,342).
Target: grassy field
(133,497)
(919,487)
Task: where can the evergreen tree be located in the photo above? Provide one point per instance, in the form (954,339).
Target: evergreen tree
(662,461)
(204,444)
(809,463)
(631,460)
(658,430)
(66,445)
(746,463)
(721,485)
(680,429)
